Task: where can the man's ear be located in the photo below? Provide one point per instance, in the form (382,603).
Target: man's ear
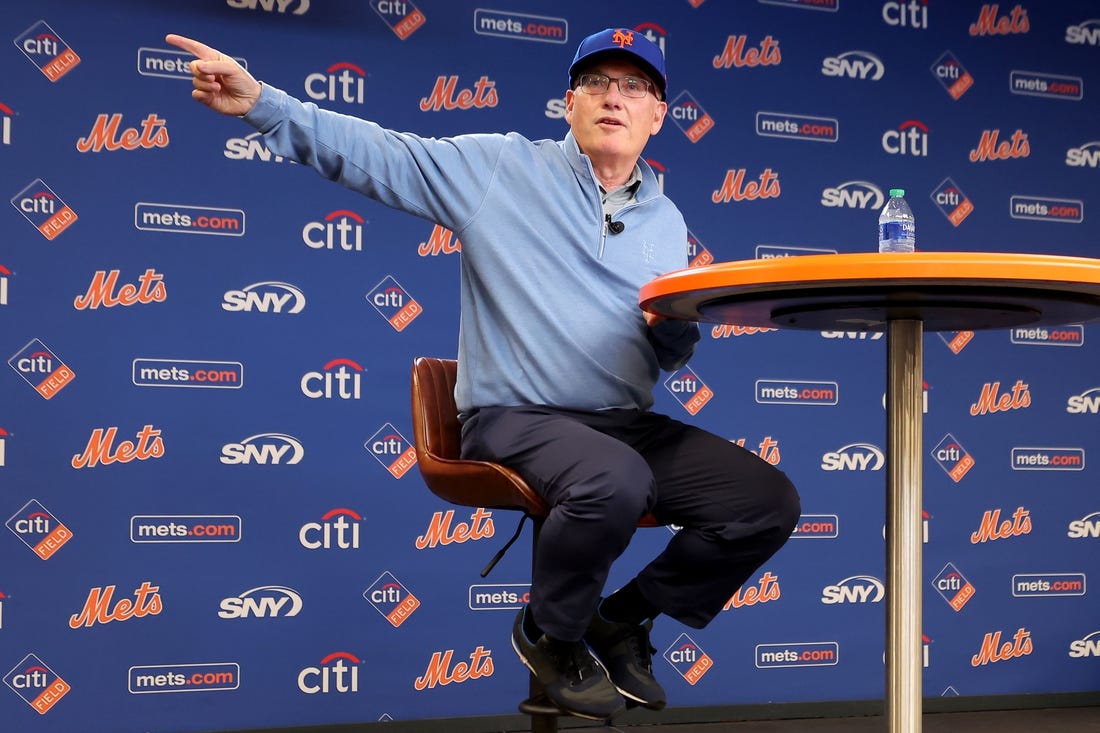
(569,99)
(658,117)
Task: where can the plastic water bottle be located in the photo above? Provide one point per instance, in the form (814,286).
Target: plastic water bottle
(896,228)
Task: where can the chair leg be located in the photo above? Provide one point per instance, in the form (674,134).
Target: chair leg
(543,713)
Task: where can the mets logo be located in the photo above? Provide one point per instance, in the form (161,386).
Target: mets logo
(623,38)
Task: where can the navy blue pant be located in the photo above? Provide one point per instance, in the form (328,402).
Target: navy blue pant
(601,472)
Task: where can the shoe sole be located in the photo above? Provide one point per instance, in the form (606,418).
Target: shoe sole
(637,700)
(565,711)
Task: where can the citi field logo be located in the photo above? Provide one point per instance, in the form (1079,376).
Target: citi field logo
(990,23)
(341,82)
(442,241)
(736,54)
(38,529)
(766,590)
(520,26)
(5,124)
(817,527)
(910,139)
(952,202)
(271,6)
(338,529)
(1089,646)
(952,457)
(391,599)
(1048,459)
(956,340)
(1087,154)
(266,601)
(41,368)
(992,400)
(1040,84)
(105,291)
(339,379)
(862,65)
(441,672)
(854,457)
(1088,402)
(1087,32)
(44,209)
(995,650)
(952,75)
(1042,208)
(336,674)
(108,134)
(735,187)
(906,14)
(688,659)
(698,254)
(251,147)
(991,147)
(153,679)
(265,297)
(690,116)
(994,528)
(446,95)
(796,392)
(1032,585)
(854,589)
(402,17)
(102,450)
(99,610)
(38,685)
(688,389)
(798,654)
(265,449)
(47,50)
(1087,527)
(394,303)
(390,449)
(443,531)
(953,587)
(341,230)
(853,195)
(797,126)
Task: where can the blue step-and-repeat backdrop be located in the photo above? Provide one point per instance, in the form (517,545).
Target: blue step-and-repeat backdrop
(206,478)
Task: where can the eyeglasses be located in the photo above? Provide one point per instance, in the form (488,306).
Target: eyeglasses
(629,86)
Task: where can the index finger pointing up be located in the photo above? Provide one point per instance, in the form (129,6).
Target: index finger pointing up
(198,49)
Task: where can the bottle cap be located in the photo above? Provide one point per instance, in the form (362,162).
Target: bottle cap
(897,192)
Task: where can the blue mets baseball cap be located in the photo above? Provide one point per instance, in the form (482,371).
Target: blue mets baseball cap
(625,43)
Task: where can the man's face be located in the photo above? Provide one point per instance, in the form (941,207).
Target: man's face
(609,125)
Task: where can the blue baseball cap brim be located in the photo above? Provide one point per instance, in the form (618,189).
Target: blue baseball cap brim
(624,43)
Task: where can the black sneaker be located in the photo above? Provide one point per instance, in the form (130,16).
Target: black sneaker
(625,651)
(570,676)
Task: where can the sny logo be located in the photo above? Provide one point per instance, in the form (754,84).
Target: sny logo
(689,390)
(261,602)
(394,303)
(688,659)
(41,369)
(270,296)
(38,685)
(265,449)
(391,599)
(47,51)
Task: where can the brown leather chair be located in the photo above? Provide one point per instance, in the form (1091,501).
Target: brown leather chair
(437,441)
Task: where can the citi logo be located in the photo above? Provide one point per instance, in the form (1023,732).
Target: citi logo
(911,138)
(5,124)
(339,379)
(1085,32)
(445,95)
(654,33)
(265,297)
(5,273)
(271,6)
(911,14)
(990,24)
(1089,646)
(266,601)
(251,147)
(854,65)
(993,650)
(991,399)
(1084,155)
(3,441)
(990,147)
(1086,402)
(853,195)
(337,530)
(854,457)
(855,589)
(442,241)
(341,82)
(269,449)
(337,673)
(107,134)
(1087,526)
(659,170)
(341,229)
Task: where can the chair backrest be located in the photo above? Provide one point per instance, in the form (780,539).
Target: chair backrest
(437,440)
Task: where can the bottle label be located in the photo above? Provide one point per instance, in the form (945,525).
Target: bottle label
(896,230)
